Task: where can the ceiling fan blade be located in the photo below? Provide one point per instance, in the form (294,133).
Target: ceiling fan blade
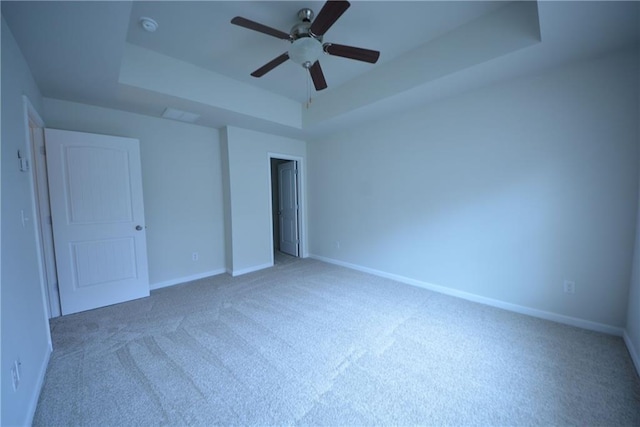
(357,53)
(255,26)
(329,14)
(317,76)
(270,65)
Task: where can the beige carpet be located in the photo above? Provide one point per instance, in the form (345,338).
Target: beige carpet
(309,343)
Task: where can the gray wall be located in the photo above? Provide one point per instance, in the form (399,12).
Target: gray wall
(25,329)
(633,314)
(246,154)
(503,192)
(182,186)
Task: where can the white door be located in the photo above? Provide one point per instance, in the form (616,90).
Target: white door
(288,207)
(95,189)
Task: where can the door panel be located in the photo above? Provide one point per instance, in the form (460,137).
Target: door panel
(97,211)
(98,197)
(89,259)
(288,207)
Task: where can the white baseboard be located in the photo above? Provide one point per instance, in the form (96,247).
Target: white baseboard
(180,280)
(632,351)
(251,269)
(560,318)
(36,394)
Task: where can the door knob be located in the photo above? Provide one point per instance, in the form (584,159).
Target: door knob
(138,227)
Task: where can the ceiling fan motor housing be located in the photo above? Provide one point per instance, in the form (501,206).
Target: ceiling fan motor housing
(306,14)
(301,29)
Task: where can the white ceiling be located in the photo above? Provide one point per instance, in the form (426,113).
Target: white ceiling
(77,51)
(200,33)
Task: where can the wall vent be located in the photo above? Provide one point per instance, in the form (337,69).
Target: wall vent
(183,116)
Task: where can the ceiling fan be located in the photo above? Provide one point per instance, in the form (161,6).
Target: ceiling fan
(306,41)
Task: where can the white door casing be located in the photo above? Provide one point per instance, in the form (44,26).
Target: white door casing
(288,208)
(97,210)
(39,167)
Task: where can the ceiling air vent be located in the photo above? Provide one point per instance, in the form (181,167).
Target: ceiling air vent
(183,116)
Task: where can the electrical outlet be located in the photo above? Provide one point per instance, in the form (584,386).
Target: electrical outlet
(195,256)
(15,374)
(337,244)
(569,287)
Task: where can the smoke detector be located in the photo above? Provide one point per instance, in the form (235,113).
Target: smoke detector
(148,24)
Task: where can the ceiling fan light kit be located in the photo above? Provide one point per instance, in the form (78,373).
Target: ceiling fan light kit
(306,41)
(305,51)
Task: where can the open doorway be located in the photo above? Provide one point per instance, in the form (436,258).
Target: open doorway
(285,212)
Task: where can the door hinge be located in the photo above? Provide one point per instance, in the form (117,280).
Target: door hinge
(43,150)
(50,220)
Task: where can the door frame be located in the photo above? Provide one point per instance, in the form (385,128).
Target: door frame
(303,248)
(31,116)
